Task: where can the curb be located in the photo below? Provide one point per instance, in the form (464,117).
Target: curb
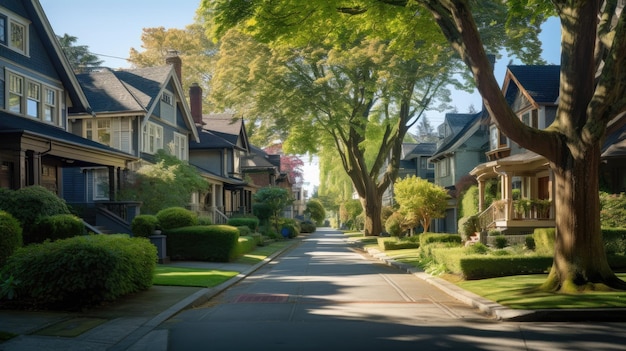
(147,337)
(500,312)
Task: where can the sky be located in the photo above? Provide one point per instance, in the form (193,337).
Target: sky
(111,28)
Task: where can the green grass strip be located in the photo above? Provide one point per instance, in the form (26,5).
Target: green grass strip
(182,276)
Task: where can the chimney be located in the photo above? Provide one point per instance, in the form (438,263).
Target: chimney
(173,59)
(195,103)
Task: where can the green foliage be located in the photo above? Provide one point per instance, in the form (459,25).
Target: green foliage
(529,243)
(290,227)
(350,210)
(79,56)
(243,230)
(250,222)
(614,240)
(31,203)
(394,243)
(176,217)
(307,227)
(203,243)
(315,210)
(275,198)
(55,227)
(469,202)
(8,287)
(169,182)
(468,226)
(477,249)
(482,267)
(501,242)
(393,225)
(385,212)
(205,220)
(262,211)
(10,235)
(613,210)
(429,238)
(245,244)
(144,225)
(83,270)
(420,199)
(544,240)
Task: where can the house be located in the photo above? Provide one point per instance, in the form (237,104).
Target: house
(136,111)
(39,92)
(413,161)
(463,143)
(526,189)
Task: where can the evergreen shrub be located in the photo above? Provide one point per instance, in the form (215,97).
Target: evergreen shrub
(501,242)
(61,226)
(214,242)
(143,226)
(307,226)
(10,235)
(544,240)
(250,222)
(83,270)
(429,238)
(176,217)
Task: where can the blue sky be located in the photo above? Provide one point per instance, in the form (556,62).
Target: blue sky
(110,28)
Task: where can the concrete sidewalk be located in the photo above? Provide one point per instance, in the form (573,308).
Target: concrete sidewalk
(130,323)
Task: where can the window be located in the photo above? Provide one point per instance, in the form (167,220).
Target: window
(101,184)
(50,105)
(152,138)
(33,100)
(14,32)
(167,98)
(444,167)
(16,93)
(497,139)
(531,119)
(3,29)
(114,132)
(99,130)
(179,147)
(424,164)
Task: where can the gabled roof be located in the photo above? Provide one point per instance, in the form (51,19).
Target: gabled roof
(50,42)
(463,126)
(615,144)
(540,83)
(226,126)
(133,91)
(413,150)
(212,140)
(259,160)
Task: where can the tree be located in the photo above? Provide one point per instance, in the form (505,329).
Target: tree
(349,211)
(593,50)
(169,182)
(425,132)
(315,209)
(275,199)
(353,91)
(420,199)
(79,56)
(290,164)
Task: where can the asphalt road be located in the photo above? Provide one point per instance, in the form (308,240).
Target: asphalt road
(325,295)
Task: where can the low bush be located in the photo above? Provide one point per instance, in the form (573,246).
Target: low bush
(10,235)
(205,220)
(529,243)
(55,227)
(244,230)
(614,240)
(429,238)
(245,244)
(203,243)
(307,227)
(468,226)
(250,222)
(477,249)
(393,224)
(176,217)
(394,243)
(501,242)
(290,228)
(81,271)
(143,226)
(544,240)
(481,267)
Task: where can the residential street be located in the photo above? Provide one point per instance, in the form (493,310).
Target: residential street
(324,294)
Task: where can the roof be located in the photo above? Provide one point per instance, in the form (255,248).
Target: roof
(107,93)
(226,126)
(525,159)
(211,140)
(259,159)
(541,82)
(413,150)
(615,144)
(461,124)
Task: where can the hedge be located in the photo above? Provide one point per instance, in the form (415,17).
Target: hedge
(61,226)
(394,243)
(83,270)
(203,243)
(10,235)
(250,222)
(245,244)
(485,266)
(144,225)
(429,238)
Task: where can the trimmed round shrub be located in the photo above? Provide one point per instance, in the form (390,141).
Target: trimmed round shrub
(244,230)
(144,225)
(30,204)
(203,243)
(501,241)
(82,271)
(477,248)
(176,217)
(289,228)
(250,222)
(61,226)
(307,227)
(393,224)
(529,242)
(205,220)
(10,235)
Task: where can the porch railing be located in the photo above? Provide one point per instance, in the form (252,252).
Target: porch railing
(523,209)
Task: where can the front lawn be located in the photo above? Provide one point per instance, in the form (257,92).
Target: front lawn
(182,276)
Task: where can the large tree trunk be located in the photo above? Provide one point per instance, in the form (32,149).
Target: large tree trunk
(372,206)
(580,261)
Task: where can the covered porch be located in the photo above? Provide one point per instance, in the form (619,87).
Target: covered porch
(524,200)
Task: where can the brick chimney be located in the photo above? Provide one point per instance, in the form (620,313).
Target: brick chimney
(173,59)
(195,103)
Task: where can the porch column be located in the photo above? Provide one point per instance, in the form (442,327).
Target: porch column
(507,193)
(33,168)
(481,195)
(112,187)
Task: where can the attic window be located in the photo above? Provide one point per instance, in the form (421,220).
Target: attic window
(14,32)
(167,98)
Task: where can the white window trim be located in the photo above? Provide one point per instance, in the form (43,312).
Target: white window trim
(152,129)
(180,145)
(13,19)
(98,175)
(24,98)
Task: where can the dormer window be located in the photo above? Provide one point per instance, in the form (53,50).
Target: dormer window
(14,32)
(497,139)
(167,98)
(530,118)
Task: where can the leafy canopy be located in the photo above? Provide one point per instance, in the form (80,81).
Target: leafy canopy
(420,199)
